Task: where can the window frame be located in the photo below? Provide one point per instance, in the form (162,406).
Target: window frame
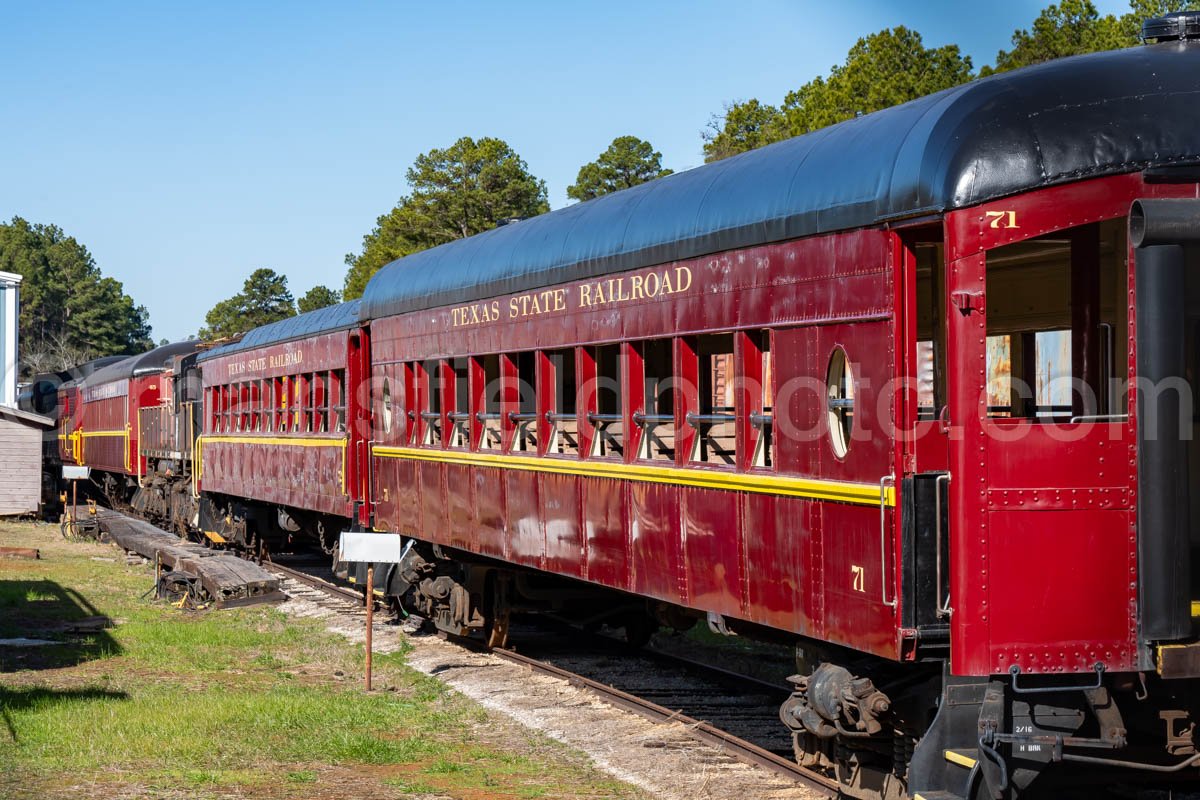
(481,416)
(526,418)
(622,415)
(458,420)
(701,353)
(551,412)
(644,426)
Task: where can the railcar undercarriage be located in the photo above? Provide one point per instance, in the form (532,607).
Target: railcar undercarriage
(463,594)
(165,498)
(890,730)
(883,730)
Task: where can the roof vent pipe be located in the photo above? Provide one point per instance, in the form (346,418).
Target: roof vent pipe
(1174,27)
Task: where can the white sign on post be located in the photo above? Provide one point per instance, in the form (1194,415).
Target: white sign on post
(370,548)
(73,473)
(364,547)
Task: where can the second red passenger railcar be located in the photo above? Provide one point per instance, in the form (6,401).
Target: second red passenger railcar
(280,450)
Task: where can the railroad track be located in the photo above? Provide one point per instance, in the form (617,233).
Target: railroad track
(745,751)
(314,582)
(684,690)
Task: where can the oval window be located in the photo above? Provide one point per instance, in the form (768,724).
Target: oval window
(387,406)
(839,384)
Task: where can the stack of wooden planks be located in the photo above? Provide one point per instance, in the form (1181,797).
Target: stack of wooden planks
(225,579)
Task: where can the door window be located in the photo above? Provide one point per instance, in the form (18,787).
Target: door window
(1057,326)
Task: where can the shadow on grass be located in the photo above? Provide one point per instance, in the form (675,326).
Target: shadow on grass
(16,701)
(64,627)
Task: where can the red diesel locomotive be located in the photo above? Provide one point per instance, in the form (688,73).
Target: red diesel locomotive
(913,392)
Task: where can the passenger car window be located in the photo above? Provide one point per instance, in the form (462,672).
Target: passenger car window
(431,415)
(491,437)
(716,434)
(609,438)
(563,422)
(657,419)
(525,417)
(1057,322)
(839,387)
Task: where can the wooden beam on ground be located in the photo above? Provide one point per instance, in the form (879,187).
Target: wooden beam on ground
(20,552)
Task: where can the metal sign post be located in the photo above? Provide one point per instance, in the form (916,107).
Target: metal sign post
(370,619)
(362,547)
(74,475)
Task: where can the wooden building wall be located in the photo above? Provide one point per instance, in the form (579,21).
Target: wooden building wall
(20,462)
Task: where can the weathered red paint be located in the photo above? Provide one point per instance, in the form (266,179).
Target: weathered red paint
(777,561)
(261,464)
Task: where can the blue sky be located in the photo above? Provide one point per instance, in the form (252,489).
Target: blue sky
(187,145)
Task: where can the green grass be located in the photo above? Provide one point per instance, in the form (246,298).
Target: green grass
(302,776)
(171,703)
(409,786)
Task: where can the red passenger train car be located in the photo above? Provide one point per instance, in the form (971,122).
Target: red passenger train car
(903,390)
(57,395)
(103,410)
(280,452)
(54,395)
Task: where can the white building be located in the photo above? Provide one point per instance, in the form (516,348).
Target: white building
(10,311)
(20,432)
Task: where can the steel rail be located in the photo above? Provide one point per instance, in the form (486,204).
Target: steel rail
(746,752)
(314,582)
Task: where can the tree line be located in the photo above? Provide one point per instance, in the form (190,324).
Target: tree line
(893,66)
(70,312)
(455,192)
(264,298)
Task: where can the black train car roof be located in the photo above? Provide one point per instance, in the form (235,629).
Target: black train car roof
(40,395)
(80,373)
(1092,115)
(150,361)
(313,323)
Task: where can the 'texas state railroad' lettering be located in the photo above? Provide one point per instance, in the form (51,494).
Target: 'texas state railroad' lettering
(603,292)
(266,362)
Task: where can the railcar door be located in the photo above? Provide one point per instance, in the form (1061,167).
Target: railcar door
(1043,451)
(923,257)
(924,581)
(355,397)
